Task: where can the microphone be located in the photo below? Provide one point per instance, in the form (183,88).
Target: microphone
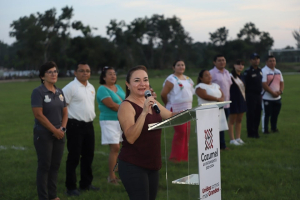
(148,94)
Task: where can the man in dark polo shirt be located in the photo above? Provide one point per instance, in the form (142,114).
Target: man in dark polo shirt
(80,98)
(253,83)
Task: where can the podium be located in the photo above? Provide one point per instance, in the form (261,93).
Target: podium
(210,119)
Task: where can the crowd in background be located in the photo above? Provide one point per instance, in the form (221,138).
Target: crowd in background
(125,116)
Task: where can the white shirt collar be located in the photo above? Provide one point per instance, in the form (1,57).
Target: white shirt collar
(80,84)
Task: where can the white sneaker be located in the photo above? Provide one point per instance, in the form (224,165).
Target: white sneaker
(234,142)
(239,140)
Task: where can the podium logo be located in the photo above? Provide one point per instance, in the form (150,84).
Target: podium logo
(208,139)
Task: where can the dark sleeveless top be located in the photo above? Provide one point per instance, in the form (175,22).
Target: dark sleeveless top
(146,150)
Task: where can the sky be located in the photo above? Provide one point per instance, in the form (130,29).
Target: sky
(198,17)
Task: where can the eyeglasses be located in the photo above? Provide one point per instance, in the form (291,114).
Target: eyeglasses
(82,71)
(52,72)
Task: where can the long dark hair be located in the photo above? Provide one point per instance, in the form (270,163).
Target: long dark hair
(237,62)
(130,72)
(103,74)
(45,67)
(201,75)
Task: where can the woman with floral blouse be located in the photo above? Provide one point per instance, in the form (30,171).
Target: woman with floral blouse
(177,95)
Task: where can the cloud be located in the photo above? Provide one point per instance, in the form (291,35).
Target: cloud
(279,6)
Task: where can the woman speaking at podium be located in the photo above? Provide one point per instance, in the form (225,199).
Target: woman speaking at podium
(177,95)
(140,155)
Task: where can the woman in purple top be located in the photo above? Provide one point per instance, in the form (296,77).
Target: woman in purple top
(140,155)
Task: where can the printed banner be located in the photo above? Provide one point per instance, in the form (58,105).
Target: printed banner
(209,153)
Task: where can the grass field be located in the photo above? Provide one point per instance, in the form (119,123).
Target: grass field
(265,168)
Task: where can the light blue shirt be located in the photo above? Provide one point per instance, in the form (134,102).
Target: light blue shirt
(117,97)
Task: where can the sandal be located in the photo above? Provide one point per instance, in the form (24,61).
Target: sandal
(119,180)
(113,181)
(116,168)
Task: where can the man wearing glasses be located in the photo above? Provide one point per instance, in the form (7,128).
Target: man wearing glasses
(80,99)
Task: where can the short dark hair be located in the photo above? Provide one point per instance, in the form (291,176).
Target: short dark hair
(103,74)
(81,63)
(201,75)
(218,56)
(237,62)
(176,61)
(45,67)
(270,56)
(130,72)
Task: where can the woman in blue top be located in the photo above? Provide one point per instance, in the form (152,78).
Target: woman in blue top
(109,97)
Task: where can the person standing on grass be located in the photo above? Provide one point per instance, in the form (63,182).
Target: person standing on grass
(253,84)
(273,86)
(51,116)
(238,103)
(208,92)
(177,94)
(222,77)
(80,98)
(109,96)
(140,155)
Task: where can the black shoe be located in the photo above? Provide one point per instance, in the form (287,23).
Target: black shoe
(91,187)
(266,132)
(73,192)
(275,131)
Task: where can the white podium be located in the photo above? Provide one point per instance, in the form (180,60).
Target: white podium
(210,119)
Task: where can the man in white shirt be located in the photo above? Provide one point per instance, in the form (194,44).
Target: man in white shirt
(272,82)
(80,99)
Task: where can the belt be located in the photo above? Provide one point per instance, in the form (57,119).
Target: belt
(74,122)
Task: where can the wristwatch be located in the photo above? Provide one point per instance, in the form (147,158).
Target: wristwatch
(63,129)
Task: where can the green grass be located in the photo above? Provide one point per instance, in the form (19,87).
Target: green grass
(265,168)
(288,67)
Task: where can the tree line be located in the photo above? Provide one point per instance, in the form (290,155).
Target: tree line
(154,41)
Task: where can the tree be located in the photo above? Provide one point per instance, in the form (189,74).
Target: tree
(296,35)
(249,32)
(37,33)
(3,53)
(28,35)
(256,41)
(219,37)
(265,41)
(154,41)
(86,30)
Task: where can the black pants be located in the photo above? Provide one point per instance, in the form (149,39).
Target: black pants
(271,109)
(253,113)
(222,133)
(139,183)
(49,151)
(81,145)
